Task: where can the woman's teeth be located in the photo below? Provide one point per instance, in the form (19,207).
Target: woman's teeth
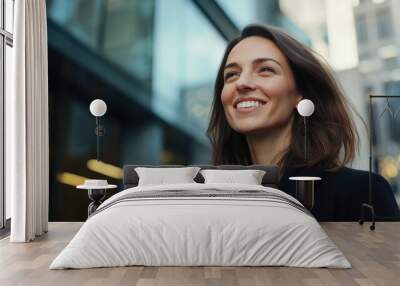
(246,104)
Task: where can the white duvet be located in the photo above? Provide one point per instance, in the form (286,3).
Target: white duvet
(200,231)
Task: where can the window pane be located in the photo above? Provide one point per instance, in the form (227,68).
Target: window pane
(384,23)
(245,12)
(1,135)
(1,15)
(128,38)
(361,29)
(390,63)
(9,16)
(185,62)
(387,153)
(79,17)
(8,67)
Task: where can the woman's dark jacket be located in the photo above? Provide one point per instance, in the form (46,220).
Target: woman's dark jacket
(339,195)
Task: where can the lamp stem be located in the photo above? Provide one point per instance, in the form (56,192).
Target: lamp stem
(370,151)
(97,135)
(305,138)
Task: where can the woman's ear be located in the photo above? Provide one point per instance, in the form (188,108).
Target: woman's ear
(299,98)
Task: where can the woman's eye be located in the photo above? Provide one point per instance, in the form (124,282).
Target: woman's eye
(229,75)
(267,69)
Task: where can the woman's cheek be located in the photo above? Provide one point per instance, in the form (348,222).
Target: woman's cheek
(226,97)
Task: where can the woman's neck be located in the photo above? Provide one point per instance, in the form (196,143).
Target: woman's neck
(267,148)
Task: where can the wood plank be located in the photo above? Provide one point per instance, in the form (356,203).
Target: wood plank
(374,255)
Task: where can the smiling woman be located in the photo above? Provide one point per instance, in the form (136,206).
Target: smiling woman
(267,66)
(259,96)
(263,75)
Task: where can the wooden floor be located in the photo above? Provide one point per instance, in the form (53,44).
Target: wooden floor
(374,255)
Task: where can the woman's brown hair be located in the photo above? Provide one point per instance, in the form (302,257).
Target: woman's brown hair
(329,129)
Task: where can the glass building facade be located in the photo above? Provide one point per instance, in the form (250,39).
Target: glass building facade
(154,63)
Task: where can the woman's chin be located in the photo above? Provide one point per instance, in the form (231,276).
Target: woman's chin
(252,130)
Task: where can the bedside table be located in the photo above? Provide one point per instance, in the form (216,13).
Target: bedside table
(305,190)
(97,190)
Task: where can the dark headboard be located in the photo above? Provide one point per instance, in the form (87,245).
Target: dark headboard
(270,179)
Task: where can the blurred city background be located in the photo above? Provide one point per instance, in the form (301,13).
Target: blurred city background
(154,63)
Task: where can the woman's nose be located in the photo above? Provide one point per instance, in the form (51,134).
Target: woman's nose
(245,83)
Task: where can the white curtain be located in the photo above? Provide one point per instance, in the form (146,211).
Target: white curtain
(27,147)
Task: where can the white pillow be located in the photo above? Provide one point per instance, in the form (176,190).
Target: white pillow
(248,177)
(162,176)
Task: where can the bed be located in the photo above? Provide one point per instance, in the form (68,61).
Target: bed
(201,224)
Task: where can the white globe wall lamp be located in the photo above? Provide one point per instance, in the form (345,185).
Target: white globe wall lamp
(98,108)
(305,108)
